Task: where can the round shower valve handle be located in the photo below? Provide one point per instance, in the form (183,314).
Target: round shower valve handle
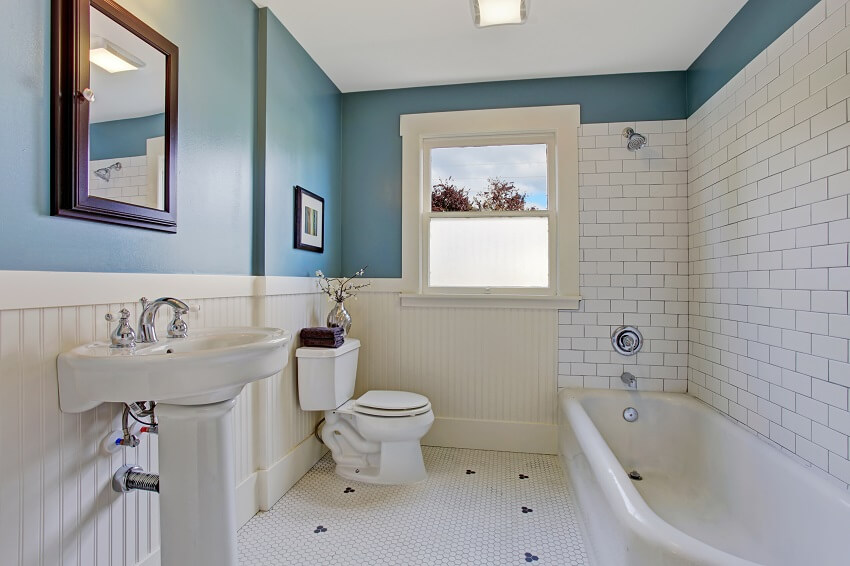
(627,340)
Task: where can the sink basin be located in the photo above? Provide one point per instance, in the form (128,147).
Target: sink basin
(194,381)
(209,366)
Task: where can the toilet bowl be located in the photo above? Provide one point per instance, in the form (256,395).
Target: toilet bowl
(373,439)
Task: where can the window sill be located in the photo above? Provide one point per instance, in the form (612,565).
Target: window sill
(490,301)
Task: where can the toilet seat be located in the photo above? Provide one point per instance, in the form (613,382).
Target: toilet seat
(392,404)
(392,414)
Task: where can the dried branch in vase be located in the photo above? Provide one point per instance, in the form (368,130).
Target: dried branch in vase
(340,289)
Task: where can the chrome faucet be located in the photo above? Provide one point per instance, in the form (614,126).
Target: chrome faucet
(629,379)
(176,328)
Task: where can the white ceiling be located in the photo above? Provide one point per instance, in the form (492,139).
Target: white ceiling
(133,93)
(381,44)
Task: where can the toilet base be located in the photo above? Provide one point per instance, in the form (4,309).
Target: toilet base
(401,464)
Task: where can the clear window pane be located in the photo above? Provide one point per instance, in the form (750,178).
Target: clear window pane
(489,252)
(493,177)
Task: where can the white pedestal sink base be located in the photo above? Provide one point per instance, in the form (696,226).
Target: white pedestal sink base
(197,491)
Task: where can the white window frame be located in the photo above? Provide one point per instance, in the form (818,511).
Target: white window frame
(422,132)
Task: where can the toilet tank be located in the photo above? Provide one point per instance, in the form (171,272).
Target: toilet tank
(326,375)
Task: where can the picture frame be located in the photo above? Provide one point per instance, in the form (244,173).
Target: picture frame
(309,221)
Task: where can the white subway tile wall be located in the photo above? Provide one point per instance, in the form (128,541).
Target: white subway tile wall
(634,259)
(768,192)
(128,184)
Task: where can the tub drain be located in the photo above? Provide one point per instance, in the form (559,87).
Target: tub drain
(635,475)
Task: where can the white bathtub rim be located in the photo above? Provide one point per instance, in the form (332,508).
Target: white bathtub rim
(625,501)
(797,466)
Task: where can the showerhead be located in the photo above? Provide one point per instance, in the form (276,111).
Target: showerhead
(636,140)
(106,172)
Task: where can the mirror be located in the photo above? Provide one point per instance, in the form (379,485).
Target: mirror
(127,117)
(115,117)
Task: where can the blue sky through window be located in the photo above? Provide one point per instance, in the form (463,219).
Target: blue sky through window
(471,167)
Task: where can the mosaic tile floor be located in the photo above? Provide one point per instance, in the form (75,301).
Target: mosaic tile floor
(476,507)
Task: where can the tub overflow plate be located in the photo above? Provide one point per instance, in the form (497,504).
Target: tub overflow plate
(630,414)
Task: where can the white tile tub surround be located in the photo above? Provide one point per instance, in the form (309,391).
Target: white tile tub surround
(634,259)
(769,232)
(130,184)
(56,504)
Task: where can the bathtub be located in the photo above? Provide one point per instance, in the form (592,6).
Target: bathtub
(711,492)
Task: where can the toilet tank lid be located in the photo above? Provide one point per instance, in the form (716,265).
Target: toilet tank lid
(314,352)
(392,400)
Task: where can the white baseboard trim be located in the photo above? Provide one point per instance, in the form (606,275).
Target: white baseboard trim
(247,501)
(152,559)
(504,436)
(274,482)
(262,489)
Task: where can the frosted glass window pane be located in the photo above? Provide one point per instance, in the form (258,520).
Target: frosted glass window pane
(489,252)
(461,177)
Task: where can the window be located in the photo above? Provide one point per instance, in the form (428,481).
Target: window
(490,205)
(489,224)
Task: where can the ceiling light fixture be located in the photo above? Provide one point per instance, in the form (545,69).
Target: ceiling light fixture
(112,58)
(487,13)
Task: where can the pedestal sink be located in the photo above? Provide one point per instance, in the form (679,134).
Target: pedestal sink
(194,381)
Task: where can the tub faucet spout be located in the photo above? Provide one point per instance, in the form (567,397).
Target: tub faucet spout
(629,379)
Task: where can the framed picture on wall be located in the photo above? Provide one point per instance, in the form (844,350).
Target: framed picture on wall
(309,221)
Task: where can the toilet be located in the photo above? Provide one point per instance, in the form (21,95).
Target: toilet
(373,439)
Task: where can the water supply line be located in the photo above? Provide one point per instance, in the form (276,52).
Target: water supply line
(316,432)
(129,438)
(143,409)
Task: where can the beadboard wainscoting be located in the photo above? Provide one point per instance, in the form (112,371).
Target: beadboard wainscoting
(633,259)
(769,235)
(56,503)
(488,372)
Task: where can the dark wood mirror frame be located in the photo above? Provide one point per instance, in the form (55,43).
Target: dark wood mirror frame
(70,119)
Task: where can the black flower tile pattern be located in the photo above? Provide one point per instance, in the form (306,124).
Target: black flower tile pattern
(445,520)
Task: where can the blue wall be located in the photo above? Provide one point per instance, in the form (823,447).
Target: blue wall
(758,24)
(124,138)
(298,143)
(217,41)
(371,154)
(243,147)
(234,193)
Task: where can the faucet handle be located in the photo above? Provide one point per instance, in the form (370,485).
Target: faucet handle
(123,336)
(178,328)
